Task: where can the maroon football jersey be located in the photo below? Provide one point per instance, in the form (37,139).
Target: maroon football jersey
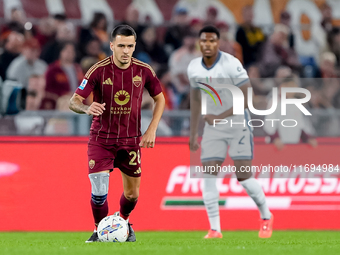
(121,90)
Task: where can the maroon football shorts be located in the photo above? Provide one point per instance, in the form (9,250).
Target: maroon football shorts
(106,154)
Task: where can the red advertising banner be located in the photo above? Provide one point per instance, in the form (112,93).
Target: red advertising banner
(44,186)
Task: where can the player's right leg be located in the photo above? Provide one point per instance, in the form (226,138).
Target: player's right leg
(210,198)
(214,150)
(100,162)
(99,204)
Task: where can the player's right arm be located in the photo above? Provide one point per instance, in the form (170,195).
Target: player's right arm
(195,112)
(88,84)
(76,105)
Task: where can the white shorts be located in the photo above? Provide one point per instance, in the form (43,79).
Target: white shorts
(215,144)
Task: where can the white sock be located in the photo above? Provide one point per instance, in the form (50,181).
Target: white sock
(254,190)
(210,198)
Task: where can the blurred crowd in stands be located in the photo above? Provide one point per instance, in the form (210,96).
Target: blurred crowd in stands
(50,58)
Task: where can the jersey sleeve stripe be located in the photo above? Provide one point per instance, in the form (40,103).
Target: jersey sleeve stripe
(104,60)
(242,82)
(141,62)
(98,63)
(145,65)
(87,75)
(137,60)
(92,68)
(89,72)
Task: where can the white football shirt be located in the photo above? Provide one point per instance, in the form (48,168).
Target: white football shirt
(226,70)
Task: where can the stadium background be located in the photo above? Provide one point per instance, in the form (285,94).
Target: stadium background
(42,145)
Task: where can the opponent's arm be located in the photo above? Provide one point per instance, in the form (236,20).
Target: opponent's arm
(76,105)
(210,117)
(195,113)
(148,139)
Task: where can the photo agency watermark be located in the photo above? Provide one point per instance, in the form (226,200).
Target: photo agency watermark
(238,104)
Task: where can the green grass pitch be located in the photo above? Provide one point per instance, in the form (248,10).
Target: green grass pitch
(164,243)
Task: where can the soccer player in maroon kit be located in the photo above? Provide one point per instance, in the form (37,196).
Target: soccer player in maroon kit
(117,84)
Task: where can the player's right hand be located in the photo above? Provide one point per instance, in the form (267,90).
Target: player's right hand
(193,144)
(278,143)
(95,109)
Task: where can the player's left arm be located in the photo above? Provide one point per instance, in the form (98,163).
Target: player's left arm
(154,88)
(211,117)
(229,112)
(148,139)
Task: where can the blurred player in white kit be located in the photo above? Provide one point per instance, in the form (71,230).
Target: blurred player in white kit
(220,67)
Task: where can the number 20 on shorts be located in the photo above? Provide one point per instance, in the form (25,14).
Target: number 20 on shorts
(134,156)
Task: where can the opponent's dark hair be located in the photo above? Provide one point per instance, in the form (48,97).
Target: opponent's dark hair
(209,29)
(124,30)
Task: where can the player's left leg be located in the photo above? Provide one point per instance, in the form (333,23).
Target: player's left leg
(255,191)
(100,160)
(130,195)
(128,160)
(241,152)
(129,200)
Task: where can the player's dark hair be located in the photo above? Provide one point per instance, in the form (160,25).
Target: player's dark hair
(124,30)
(210,29)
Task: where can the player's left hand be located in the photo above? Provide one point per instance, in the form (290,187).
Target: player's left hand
(209,118)
(148,140)
(313,142)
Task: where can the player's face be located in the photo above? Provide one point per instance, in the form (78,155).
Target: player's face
(123,48)
(209,44)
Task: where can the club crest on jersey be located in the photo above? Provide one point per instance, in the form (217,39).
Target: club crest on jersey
(83,84)
(137,81)
(122,97)
(92,163)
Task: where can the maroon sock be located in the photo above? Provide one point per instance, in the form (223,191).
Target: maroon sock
(126,207)
(99,211)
